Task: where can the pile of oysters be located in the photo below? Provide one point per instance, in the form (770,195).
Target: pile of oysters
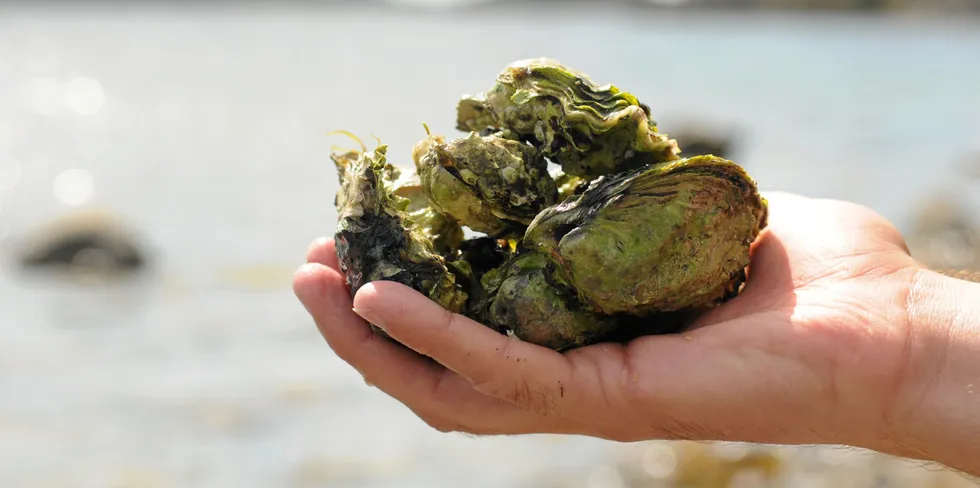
(620,237)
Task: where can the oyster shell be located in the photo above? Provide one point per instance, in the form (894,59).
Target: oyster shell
(590,130)
(381,235)
(529,297)
(445,233)
(489,183)
(627,240)
(657,239)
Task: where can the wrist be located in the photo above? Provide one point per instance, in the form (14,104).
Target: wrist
(936,414)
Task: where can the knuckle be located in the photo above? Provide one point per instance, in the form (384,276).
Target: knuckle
(530,398)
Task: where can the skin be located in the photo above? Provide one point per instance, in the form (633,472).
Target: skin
(840,337)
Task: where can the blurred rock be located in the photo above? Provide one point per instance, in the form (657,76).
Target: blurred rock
(89,242)
(970,166)
(702,139)
(945,233)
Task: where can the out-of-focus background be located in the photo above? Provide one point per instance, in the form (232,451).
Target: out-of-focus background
(174,160)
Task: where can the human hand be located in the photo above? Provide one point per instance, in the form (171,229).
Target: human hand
(823,345)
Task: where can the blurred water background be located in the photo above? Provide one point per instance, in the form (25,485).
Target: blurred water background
(204,130)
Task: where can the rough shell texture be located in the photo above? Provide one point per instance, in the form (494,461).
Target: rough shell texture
(377,239)
(656,239)
(591,130)
(444,232)
(626,240)
(490,184)
(528,297)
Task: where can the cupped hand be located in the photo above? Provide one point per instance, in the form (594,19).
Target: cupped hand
(814,350)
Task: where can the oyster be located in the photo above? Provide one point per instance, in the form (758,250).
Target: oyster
(590,130)
(489,183)
(626,240)
(445,233)
(656,239)
(529,297)
(383,236)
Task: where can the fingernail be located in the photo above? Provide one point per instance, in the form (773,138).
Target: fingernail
(370,317)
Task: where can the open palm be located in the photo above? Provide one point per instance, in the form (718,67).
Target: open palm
(811,351)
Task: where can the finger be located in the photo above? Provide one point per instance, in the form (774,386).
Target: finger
(438,396)
(533,378)
(323,251)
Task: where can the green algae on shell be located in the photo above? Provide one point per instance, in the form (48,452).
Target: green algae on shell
(590,130)
(444,232)
(661,238)
(377,237)
(528,297)
(489,183)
